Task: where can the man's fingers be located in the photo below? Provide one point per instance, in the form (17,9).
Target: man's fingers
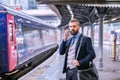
(66,34)
(75,62)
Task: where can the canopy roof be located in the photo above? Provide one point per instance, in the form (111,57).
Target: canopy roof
(87,11)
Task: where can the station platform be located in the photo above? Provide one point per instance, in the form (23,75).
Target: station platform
(51,69)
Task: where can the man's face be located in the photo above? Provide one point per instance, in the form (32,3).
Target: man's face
(74,27)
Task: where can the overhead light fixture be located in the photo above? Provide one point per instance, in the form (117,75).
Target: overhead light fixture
(71,12)
(113,19)
(95,23)
(106,21)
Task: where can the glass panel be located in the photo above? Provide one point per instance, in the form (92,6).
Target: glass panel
(22,52)
(32,40)
(11,31)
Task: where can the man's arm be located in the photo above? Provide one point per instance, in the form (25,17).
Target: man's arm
(62,48)
(63,44)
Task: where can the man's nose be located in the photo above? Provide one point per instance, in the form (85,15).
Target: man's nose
(72,29)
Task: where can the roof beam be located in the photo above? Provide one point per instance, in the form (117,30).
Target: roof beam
(93,12)
(70,11)
(53,8)
(78,1)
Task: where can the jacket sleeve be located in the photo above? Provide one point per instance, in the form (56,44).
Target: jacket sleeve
(62,48)
(90,52)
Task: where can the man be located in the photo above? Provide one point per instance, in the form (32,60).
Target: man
(70,46)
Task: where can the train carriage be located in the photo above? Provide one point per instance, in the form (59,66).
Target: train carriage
(24,40)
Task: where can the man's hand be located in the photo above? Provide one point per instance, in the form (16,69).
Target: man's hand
(66,35)
(76,63)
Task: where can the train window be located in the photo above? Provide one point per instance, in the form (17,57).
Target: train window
(19,27)
(11,31)
(32,38)
(52,35)
(20,37)
(45,34)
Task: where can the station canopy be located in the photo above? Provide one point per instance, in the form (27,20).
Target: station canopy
(86,11)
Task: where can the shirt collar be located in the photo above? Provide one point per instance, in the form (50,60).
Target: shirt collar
(77,35)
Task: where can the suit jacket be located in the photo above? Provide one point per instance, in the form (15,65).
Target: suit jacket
(86,53)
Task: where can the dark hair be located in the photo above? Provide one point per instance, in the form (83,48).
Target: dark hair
(74,20)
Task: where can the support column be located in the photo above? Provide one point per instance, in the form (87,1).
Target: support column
(82,29)
(100,44)
(61,34)
(41,37)
(55,33)
(92,33)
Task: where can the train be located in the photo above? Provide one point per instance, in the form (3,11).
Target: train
(25,42)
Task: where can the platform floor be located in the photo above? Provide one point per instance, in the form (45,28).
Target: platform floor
(51,69)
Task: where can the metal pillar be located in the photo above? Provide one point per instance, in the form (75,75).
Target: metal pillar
(55,38)
(100,44)
(92,33)
(114,48)
(61,34)
(82,29)
(41,37)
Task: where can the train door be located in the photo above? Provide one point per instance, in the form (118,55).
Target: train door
(12,50)
(2,46)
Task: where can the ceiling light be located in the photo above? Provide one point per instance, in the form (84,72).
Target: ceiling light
(113,19)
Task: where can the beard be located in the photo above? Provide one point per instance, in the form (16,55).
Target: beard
(73,32)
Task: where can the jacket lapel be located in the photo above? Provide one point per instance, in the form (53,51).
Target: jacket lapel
(78,44)
(69,45)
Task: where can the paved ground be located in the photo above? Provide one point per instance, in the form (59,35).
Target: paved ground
(111,69)
(51,69)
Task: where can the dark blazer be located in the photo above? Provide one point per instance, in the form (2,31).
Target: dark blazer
(86,53)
